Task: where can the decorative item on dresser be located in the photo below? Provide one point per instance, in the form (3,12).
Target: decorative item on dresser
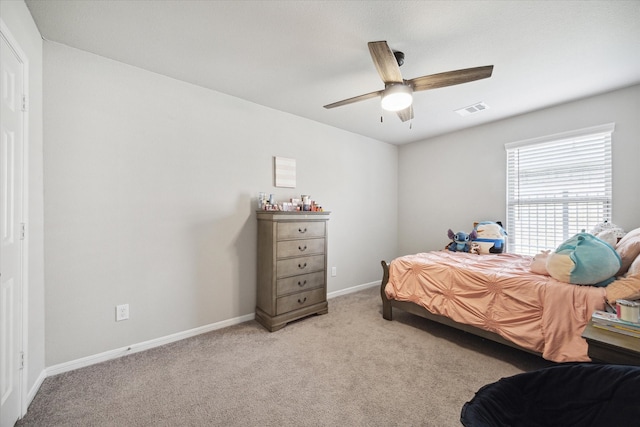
(292,266)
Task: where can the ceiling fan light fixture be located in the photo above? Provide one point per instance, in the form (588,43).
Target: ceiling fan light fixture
(397,97)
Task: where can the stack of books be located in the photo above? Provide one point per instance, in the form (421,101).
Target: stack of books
(611,322)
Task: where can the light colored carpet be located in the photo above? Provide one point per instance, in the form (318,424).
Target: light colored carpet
(346,368)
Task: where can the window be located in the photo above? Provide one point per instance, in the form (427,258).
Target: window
(557,186)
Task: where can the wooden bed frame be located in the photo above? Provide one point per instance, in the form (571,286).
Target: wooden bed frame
(409,307)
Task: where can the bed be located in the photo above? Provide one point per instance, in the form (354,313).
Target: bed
(495,296)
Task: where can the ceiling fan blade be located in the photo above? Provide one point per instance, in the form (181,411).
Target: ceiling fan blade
(406,114)
(450,78)
(354,99)
(385,62)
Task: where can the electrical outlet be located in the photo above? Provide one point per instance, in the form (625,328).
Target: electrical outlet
(122,312)
(334,271)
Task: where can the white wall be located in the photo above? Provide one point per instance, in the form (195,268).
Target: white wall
(151,183)
(150,193)
(19,22)
(455,179)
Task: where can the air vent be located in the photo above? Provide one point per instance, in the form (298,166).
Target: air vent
(472,109)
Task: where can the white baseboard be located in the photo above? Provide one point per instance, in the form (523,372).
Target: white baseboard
(34,389)
(352,289)
(146,345)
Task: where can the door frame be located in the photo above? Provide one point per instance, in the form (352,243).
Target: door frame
(6,34)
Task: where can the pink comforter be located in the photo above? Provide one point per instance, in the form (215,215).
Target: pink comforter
(500,294)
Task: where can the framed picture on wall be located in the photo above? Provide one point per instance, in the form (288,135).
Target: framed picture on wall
(284,171)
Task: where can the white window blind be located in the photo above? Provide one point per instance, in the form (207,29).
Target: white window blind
(556,187)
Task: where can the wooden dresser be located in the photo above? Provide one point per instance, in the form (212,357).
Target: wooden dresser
(292,266)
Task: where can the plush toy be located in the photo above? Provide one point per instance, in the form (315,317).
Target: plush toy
(490,237)
(539,263)
(461,240)
(584,260)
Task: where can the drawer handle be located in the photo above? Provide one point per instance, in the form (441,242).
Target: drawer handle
(302,301)
(300,230)
(301,266)
(301,284)
(301,249)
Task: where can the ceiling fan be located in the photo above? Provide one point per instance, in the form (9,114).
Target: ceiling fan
(397,94)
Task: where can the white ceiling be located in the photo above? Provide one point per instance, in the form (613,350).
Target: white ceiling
(296,56)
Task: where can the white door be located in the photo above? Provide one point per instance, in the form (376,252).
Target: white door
(11,210)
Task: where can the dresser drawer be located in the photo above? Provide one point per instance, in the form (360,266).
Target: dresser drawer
(300,230)
(299,300)
(301,265)
(291,248)
(300,283)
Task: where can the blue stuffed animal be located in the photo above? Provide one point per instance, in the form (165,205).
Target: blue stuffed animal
(461,240)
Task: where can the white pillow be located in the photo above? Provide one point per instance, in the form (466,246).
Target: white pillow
(609,236)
